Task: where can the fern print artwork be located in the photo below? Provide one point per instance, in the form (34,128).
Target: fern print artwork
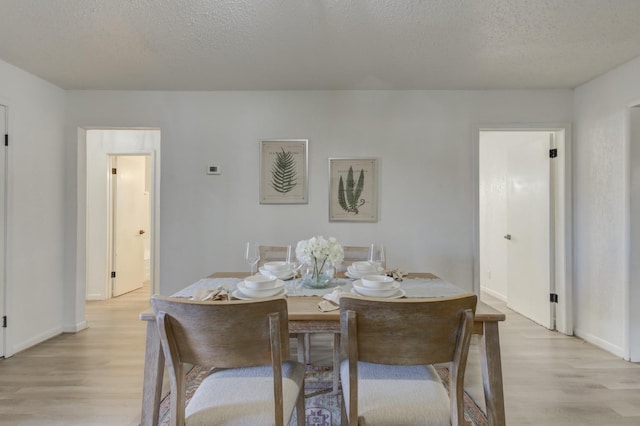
(283,172)
(353,189)
(349,196)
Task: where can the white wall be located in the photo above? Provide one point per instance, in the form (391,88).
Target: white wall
(422,138)
(36,206)
(601,206)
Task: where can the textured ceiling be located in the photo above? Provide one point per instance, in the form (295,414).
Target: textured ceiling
(318,44)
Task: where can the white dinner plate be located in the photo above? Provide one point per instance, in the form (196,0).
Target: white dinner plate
(287,275)
(360,291)
(357,284)
(237,294)
(348,274)
(252,292)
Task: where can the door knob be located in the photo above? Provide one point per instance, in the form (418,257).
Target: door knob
(507,237)
(141,231)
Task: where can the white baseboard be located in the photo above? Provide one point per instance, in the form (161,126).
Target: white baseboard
(597,341)
(493,293)
(35,340)
(94,296)
(74,328)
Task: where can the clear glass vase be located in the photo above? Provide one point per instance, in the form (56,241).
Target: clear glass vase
(318,276)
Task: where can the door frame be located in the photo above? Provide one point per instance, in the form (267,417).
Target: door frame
(151,148)
(4,289)
(631,346)
(562,214)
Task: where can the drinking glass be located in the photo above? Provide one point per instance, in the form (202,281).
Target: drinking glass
(376,255)
(252,254)
(290,259)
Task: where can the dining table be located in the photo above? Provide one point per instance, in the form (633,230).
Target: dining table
(305,317)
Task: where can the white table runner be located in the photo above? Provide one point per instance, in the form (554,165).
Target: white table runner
(413,287)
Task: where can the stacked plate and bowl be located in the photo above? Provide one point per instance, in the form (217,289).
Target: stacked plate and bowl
(279,269)
(358,270)
(376,285)
(259,286)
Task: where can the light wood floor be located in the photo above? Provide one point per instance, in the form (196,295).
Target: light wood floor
(95,377)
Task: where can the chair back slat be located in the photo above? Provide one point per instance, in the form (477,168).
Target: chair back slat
(353,254)
(406,331)
(272,253)
(225,334)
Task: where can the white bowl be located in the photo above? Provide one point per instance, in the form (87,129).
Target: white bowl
(381,282)
(260,281)
(276,266)
(353,273)
(363,266)
(285,274)
(376,292)
(261,292)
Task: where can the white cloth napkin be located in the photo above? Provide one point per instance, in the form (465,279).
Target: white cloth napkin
(331,301)
(203,294)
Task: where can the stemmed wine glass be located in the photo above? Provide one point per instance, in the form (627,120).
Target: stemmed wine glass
(295,265)
(376,255)
(292,260)
(252,254)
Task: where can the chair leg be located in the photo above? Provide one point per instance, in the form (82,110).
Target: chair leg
(300,414)
(344,420)
(336,362)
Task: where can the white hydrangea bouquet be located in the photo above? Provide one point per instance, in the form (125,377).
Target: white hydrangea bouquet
(318,253)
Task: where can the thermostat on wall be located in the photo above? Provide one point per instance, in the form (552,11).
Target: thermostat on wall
(213,170)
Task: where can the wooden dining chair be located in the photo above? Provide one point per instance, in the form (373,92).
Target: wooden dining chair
(355,254)
(247,343)
(273,253)
(389,348)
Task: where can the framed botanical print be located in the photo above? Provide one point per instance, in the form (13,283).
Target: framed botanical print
(353,189)
(283,171)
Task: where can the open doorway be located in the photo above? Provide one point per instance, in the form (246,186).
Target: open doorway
(106,151)
(523,221)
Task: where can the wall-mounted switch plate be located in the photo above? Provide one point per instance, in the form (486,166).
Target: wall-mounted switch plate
(213,170)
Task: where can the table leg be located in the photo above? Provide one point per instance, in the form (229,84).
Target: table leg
(301,347)
(492,374)
(153,374)
(336,362)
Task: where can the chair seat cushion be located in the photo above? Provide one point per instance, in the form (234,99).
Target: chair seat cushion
(398,394)
(243,396)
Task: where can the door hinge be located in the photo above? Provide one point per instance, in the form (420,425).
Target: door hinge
(114,171)
(553,153)
(4,321)
(113,274)
(553,297)
(6,140)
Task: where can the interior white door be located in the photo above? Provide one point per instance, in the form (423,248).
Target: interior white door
(3,158)
(529,226)
(129,221)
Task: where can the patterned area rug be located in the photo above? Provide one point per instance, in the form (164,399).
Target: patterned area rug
(322,408)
